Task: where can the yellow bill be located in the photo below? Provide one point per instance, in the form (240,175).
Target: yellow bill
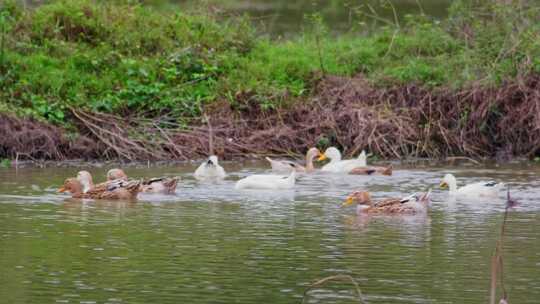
(322,157)
(348,201)
(443,185)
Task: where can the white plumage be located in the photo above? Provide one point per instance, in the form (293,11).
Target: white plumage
(210,170)
(481,189)
(336,165)
(267,182)
(283,166)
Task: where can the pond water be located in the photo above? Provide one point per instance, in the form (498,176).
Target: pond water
(212,244)
(288,18)
(285,17)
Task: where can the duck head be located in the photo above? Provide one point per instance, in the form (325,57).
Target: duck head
(358,197)
(331,153)
(85,179)
(448,181)
(312,153)
(212,160)
(115,174)
(71,185)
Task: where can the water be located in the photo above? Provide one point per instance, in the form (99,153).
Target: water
(285,17)
(288,18)
(212,244)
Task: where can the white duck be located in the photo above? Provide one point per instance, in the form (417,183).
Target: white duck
(267,182)
(210,170)
(482,189)
(336,165)
(287,166)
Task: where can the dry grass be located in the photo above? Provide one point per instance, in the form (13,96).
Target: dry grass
(395,122)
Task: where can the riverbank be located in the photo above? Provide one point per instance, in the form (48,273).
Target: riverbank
(109,81)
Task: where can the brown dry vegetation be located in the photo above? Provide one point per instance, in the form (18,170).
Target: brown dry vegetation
(27,138)
(394,122)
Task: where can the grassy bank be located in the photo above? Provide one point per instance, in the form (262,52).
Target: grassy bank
(134,61)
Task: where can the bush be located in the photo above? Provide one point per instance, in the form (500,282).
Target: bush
(126,58)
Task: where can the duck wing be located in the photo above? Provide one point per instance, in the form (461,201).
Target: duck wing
(387,202)
(284,165)
(481,188)
(394,205)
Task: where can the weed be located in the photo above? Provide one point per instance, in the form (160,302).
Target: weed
(5,163)
(120,57)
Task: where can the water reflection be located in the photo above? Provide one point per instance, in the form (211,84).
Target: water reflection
(210,243)
(281,17)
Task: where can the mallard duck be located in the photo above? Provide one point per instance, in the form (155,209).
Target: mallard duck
(210,170)
(413,204)
(372,170)
(287,166)
(116,190)
(267,182)
(165,185)
(336,165)
(86,180)
(116,173)
(481,189)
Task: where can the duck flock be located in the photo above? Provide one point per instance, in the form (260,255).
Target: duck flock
(119,187)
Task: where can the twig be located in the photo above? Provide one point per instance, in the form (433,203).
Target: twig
(339,277)
(210,136)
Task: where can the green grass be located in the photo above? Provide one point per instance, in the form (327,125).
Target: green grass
(125,58)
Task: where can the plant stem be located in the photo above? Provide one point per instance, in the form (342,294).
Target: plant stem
(2,38)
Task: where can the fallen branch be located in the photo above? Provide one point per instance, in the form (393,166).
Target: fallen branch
(339,277)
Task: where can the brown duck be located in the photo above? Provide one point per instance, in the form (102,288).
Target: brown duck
(165,185)
(116,190)
(412,204)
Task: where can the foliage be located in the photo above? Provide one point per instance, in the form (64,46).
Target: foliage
(5,163)
(129,58)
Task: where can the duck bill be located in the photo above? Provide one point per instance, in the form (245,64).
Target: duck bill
(322,157)
(443,185)
(348,201)
(61,190)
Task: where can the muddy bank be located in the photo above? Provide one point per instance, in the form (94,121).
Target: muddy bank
(392,122)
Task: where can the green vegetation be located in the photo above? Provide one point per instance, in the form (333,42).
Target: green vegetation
(5,163)
(126,58)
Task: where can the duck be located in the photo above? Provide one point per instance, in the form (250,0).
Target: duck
(116,190)
(210,170)
(336,165)
(372,170)
(410,205)
(166,185)
(87,182)
(481,189)
(287,166)
(85,179)
(267,182)
(116,173)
